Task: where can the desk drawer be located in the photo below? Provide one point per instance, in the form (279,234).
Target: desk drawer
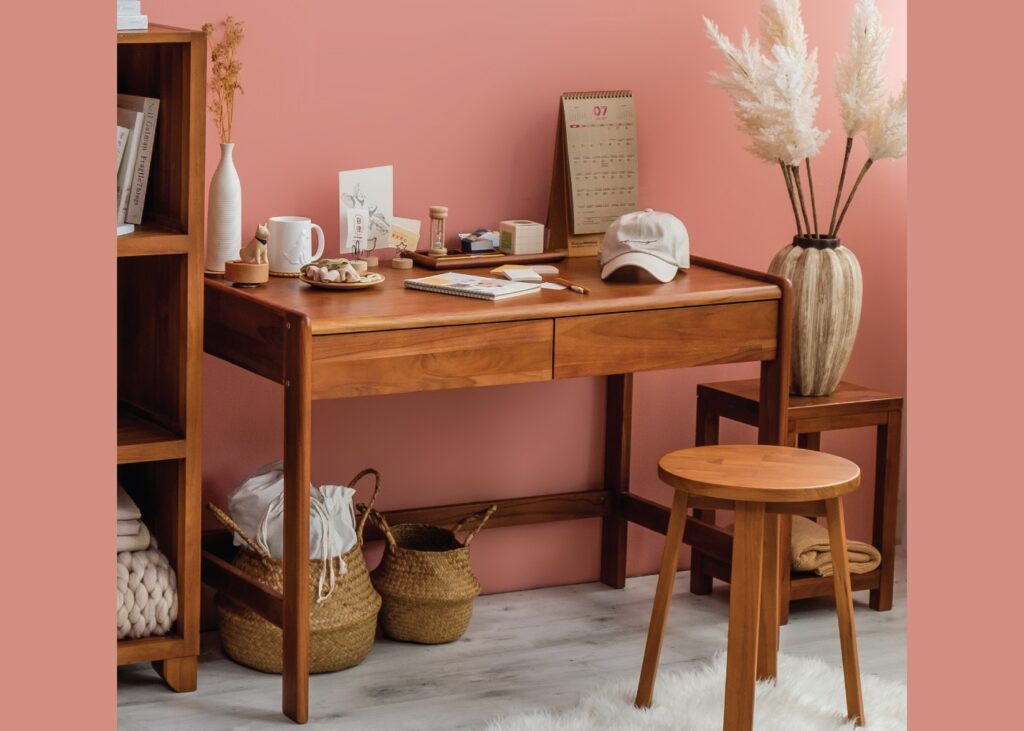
(431,358)
(596,345)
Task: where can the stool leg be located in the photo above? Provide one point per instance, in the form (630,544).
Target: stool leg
(844,610)
(785,567)
(768,632)
(744,611)
(662,599)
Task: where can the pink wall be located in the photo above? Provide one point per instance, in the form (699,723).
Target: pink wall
(461,96)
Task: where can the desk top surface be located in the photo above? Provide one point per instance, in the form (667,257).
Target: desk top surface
(390,306)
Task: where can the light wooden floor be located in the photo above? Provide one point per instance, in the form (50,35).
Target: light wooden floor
(524,650)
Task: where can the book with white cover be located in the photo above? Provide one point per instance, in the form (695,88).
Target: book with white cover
(140,178)
(122,141)
(470,285)
(132,22)
(129,7)
(133,121)
(125,228)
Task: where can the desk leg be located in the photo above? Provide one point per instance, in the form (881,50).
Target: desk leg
(809,440)
(707,433)
(773,428)
(298,406)
(887,489)
(617,434)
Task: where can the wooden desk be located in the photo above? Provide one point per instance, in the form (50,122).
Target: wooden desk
(388,339)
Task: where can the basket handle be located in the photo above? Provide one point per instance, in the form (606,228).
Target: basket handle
(229,523)
(366,508)
(381,522)
(483,516)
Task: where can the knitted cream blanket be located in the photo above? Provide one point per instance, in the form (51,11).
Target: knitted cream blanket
(147,594)
(811,550)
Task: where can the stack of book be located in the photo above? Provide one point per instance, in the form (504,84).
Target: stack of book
(129,15)
(136,138)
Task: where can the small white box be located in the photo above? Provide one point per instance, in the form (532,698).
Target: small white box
(521,237)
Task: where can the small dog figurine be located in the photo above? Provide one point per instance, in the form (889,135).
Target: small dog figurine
(255,252)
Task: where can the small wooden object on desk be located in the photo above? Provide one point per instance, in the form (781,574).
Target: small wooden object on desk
(438,214)
(251,269)
(758,482)
(849,406)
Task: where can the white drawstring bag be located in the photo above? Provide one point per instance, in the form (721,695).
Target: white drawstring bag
(257,505)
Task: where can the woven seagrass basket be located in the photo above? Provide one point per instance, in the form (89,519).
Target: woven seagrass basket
(342,627)
(425,580)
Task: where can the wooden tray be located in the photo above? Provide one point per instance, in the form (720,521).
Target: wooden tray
(468,261)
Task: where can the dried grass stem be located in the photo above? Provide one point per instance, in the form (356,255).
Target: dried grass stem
(792,196)
(225,70)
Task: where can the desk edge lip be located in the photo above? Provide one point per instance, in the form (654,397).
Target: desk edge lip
(771,288)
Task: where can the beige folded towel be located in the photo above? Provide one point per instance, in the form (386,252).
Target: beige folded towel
(129,527)
(811,551)
(126,507)
(138,542)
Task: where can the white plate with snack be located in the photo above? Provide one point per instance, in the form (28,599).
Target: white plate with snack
(337,274)
(368,280)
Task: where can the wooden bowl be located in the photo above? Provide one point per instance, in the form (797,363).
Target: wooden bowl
(244,274)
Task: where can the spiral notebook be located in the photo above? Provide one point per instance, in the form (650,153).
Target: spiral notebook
(470,285)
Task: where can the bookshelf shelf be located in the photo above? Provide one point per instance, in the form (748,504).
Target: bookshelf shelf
(148,649)
(151,240)
(156,34)
(140,440)
(159,331)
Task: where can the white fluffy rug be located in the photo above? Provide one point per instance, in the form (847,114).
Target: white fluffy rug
(808,696)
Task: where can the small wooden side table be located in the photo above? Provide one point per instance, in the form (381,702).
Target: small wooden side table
(848,407)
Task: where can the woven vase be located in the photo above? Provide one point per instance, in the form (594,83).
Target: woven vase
(827,295)
(425,580)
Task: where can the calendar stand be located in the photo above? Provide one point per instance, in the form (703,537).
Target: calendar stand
(593,179)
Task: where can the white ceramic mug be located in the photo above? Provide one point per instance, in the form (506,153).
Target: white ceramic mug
(290,242)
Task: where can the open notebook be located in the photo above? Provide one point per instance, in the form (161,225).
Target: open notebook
(469,285)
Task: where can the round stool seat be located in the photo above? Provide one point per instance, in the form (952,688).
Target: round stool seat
(759,473)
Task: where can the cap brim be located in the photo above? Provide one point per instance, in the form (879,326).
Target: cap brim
(657,268)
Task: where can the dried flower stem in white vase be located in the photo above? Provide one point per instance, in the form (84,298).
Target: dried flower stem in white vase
(224,216)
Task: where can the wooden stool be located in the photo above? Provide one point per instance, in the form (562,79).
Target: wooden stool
(848,407)
(757,482)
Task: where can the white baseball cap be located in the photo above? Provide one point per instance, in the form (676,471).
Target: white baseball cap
(654,241)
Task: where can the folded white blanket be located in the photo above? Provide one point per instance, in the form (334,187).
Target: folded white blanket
(129,527)
(138,542)
(126,507)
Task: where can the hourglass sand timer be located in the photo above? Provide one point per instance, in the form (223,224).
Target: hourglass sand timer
(438,214)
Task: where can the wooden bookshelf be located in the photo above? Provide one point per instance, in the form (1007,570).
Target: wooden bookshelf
(159,331)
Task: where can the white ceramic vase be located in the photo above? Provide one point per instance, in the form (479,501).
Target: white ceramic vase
(827,294)
(224,214)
